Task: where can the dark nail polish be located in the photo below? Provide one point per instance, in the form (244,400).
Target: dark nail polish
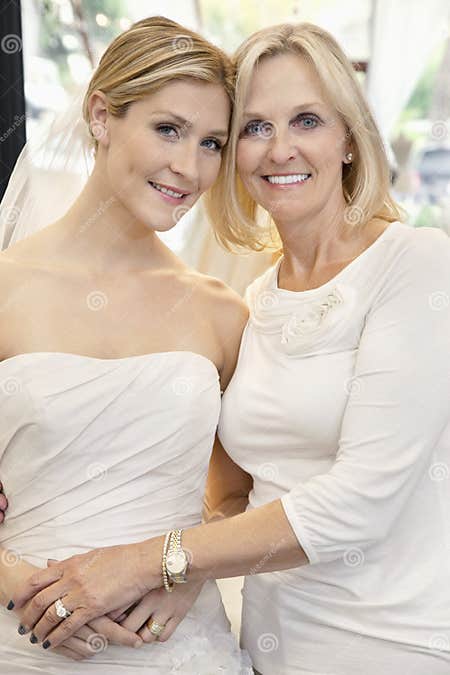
(10,605)
(33,638)
(22,630)
(46,644)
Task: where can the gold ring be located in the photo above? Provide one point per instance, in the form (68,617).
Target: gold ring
(155,628)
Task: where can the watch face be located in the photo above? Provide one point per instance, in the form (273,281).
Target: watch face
(176,562)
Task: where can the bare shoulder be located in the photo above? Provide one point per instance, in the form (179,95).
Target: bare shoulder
(228,315)
(226,307)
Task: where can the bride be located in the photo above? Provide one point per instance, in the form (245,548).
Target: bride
(114,353)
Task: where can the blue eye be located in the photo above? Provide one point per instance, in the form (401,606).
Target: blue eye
(258,128)
(215,145)
(166,129)
(309,121)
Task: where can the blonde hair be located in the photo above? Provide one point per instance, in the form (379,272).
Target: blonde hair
(365,182)
(150,54)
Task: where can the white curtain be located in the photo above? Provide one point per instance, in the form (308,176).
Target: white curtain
(404,33)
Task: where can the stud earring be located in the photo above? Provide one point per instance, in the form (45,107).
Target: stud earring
(349,156)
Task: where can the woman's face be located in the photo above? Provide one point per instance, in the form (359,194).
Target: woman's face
(292,143)
(166,151)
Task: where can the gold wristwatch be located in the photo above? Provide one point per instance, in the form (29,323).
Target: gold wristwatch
(176,559)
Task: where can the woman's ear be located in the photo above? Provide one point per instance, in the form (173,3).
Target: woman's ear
(98,116)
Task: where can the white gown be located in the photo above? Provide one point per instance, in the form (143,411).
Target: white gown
(97,452)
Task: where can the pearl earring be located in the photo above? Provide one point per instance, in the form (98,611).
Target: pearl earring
(349,156)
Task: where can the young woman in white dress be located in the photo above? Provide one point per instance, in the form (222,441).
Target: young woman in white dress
(338,412)
(113,355)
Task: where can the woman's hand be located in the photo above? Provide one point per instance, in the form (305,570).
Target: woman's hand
(3,504)
(90,585)
(166,609)
(89,640)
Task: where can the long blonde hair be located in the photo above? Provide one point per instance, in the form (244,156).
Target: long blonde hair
(149,55)
(365,183)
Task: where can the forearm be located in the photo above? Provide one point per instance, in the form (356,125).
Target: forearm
(257,541)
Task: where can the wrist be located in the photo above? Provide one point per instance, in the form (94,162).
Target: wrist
(149,563)
(13,571)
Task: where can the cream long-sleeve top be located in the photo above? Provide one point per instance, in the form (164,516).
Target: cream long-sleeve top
(340,406)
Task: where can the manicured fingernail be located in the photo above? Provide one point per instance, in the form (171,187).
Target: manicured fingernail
(22,630)
(46,644)
(10,605)
(33,638)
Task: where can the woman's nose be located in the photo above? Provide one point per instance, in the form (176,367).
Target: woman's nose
(184,162)
(281,146)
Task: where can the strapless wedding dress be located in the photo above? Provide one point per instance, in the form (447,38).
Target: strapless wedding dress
(98,452)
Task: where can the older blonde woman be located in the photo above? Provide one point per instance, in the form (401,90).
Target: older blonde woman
(338,412)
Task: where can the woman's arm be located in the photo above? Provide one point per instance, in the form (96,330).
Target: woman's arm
(13,570)
(227,487)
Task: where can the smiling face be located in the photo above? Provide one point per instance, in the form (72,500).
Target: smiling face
(165,152)
(292,143)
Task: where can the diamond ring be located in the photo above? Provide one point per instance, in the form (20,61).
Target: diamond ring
(61,611)
(156,628)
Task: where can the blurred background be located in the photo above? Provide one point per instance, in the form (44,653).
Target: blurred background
(401,50)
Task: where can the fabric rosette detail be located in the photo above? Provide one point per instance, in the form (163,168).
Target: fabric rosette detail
(305,324)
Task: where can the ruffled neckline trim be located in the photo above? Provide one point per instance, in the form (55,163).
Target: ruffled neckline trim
(310,321)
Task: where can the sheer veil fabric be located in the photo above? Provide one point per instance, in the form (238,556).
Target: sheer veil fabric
(49,174)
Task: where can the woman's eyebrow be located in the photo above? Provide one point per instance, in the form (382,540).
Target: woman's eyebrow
(188,123)
(298,108)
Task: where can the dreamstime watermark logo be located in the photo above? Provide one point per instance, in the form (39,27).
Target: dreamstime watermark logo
(11,386)
(97,643)
(439,641)
(98,130)
(353,215)
(267,471)
(353,386)
(438,471)
(439,130)
(183,43)
(10,215)
(343,140)
(439,300)
(268,642)
(179,212)
(270,553)
(353,557)
(266,300)
(18,121)
(103,207)
(96,471)
(96,300)
(10,558)
(182,386)
(11,43)
(267,130)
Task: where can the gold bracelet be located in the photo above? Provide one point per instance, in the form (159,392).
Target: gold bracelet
(168,586)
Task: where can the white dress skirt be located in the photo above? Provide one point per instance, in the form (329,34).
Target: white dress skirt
(101,452)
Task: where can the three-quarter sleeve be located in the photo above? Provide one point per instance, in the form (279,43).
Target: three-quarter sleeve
(397,409)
